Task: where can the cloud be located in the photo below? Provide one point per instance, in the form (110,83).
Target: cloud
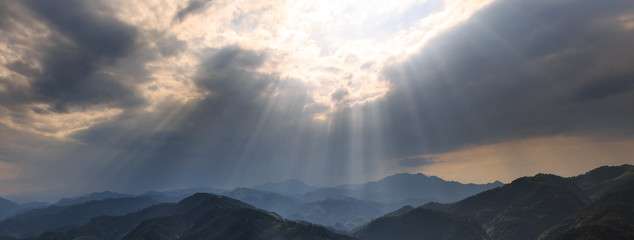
(416,161)
(77,58)
(230,110)
(339,95)
(193,7)
(247,123)
(171,46)
(516,69)
(97,33)
(604,88)
(71,72)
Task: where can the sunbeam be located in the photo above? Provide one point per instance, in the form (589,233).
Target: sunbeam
(155,95)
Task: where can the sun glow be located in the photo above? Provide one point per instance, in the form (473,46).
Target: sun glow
(337,49)
(330,45)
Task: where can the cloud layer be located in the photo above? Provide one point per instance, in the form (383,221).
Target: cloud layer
(98,96)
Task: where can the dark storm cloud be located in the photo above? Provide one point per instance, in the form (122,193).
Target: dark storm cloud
(339,95)
(604,88)
(101,35)
(248,122)
(516,69)
(193,7)
(513,71)
(171,46)
(72,79)
(71,71)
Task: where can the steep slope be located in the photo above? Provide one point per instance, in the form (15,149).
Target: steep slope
(243,223)
(59,218)
(606,179)
(421,224)
(411,189)
(270,201)
(342,214)
(610,217)
(522,209)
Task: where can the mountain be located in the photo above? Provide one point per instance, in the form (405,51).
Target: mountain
(91,197)
(400,211)
(7,208)
(421,224)
(180,194)
(201,216)
(33,205)
(186,192)
(58,218)
(342,214)
(542,205)
(610,217)
(404,188)
(522,209)
(292,187)
(270,201)
(606,179)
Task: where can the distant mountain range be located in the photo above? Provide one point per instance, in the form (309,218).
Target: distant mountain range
(292,187)
(59,218)
(266,200)
(342,214)
(9,208)
(201,216)
(404,187)
(347,207)
(91,197)
(594,205)
(343,207)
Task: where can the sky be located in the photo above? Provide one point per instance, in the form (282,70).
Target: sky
(134,96)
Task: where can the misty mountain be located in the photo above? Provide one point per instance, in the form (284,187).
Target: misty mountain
(33,205)
(186,192)
(400,211)
(342,214)
(58,218)
(200,216)
(421,224)
(404,189)
(597,204)
(180,194)
(291,187)
(91,197)
(7,208)
(269,201)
